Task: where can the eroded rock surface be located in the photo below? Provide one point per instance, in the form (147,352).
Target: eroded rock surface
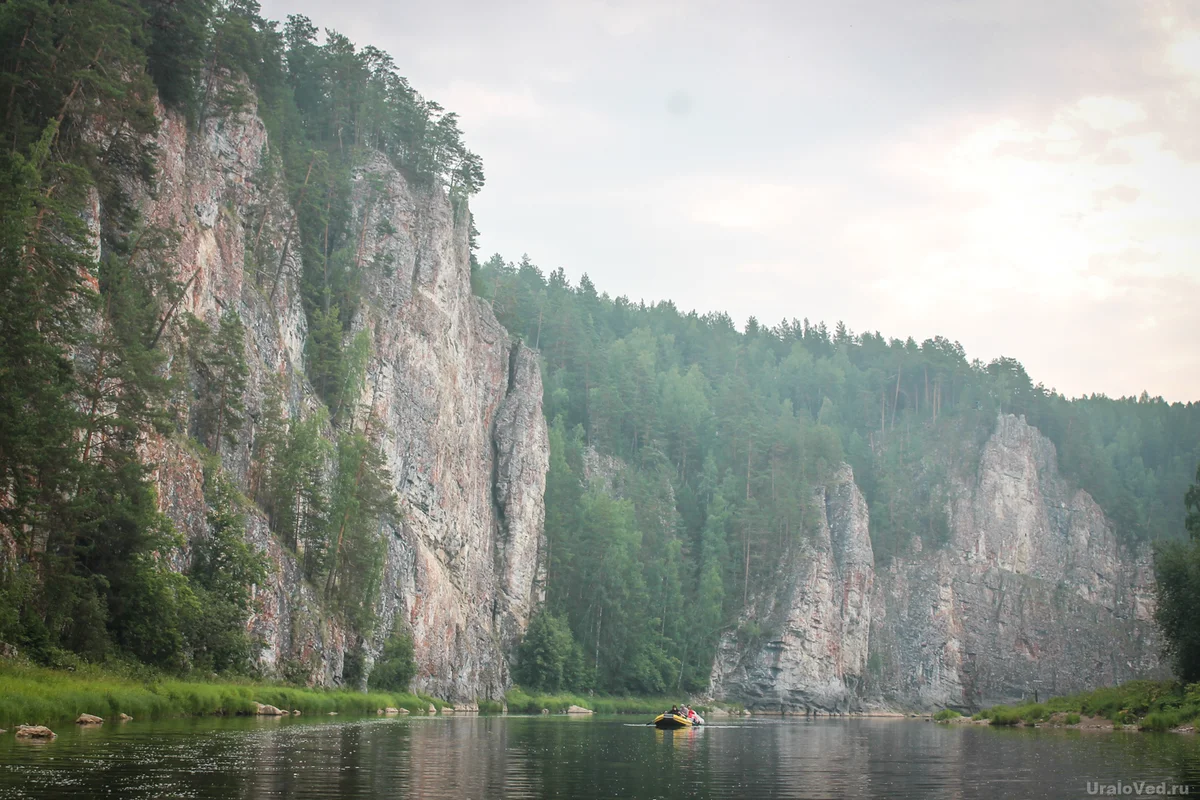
(452,401)
(1033,593)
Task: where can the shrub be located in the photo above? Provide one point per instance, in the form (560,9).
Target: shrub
(1072,719)
(1034,713)
(1161,721)
(397,664)
(1003,715)
(946,714)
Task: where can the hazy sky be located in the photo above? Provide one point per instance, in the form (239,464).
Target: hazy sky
(1020,175)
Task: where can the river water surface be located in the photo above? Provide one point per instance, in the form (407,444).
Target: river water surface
(469,757)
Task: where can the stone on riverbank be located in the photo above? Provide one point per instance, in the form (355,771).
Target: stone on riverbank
(578,710)
(35,732)
(89,719)
(268,711)
(123,717)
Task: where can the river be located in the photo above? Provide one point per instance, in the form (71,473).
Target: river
(468,757)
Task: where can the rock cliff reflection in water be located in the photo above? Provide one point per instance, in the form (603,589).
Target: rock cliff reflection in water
(534,757)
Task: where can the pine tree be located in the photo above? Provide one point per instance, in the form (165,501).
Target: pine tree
(223,372)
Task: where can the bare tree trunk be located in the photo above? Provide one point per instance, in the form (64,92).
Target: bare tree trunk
(287,240)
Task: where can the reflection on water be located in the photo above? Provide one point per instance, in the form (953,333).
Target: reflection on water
(533,757)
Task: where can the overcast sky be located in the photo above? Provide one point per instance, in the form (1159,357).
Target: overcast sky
(1020,175)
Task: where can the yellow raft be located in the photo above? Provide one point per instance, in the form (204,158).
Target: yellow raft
(669,720)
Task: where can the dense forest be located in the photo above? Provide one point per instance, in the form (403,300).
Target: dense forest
(686,452)
(717,439)
(95,353)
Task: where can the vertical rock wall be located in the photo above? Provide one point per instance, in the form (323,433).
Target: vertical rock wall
(1033,593)
(452,401)
(811,653)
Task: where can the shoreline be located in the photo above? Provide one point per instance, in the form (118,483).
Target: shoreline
(36,695)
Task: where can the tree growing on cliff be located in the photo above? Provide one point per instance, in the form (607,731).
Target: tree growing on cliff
(223,372)
(1177,569)
(396,666)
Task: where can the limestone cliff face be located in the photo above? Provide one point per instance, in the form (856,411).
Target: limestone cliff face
(454,404)
(1032,593)
(816,628)
(460,410)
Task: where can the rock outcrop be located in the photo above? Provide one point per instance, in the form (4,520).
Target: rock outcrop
(1033,593)
(453,402)
(808,648)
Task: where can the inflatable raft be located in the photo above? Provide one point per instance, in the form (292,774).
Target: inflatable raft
(669,720)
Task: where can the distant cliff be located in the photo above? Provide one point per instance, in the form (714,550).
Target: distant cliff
(1033,593)
(455,405)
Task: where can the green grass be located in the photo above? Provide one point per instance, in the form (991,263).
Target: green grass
(522,702)
(945,715)
(42,696)
(1003,715)
(1152,705)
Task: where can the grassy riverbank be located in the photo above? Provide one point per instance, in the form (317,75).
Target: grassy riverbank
(1150,705)
(43,696)
(522,702)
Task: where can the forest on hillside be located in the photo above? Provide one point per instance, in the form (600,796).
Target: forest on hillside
(95,352)
(723,436)
(716,436)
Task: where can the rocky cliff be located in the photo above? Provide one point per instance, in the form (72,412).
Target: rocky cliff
(1032,593)
(452,401)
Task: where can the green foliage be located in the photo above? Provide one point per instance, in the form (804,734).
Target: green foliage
(396,666)
(945,715)
(549,659)
(361,500)
(1004,716)
(1155,703)
(713,445)
(223,569)
(221,364)
(522,702)
(1177,574)
(45,696)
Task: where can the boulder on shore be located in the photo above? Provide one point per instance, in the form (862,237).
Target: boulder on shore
(123,717)
(579,710)
(35,732)
(268,711)
(295,712)
(545,711)
(89,719)
(432,710)
(391,712)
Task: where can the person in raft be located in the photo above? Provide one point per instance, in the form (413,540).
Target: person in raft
(690,712)
(674,709)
